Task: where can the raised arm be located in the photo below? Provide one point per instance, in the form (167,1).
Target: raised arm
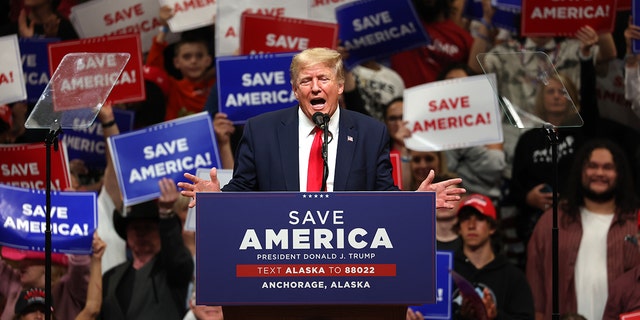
(92,307)
(110,128)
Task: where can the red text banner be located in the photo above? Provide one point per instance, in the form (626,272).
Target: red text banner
(118,17)
(565,17)
(24,166)
(316,270)
(452,114)
(269,34)
(190,14)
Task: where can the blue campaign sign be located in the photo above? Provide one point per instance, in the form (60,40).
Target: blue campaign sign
(635,9)
(166,150)
(442,308)
(284,248)
(254,84)
(89,145)
(35,65)
(508,5)
(74,218)
(371,29)
(504,17)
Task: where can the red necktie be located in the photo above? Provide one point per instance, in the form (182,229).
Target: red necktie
(316,167)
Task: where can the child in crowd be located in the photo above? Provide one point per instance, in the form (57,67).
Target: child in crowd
(193,60)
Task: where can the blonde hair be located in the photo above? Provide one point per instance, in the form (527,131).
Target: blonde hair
(571,90)
(325,56)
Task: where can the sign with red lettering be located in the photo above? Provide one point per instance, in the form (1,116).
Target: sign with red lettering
(12,85)
(190,14)
(564,17)
(118,17)
(267,34)
(229,13)
(24,166)
(325,10)
(130,86)
(452,114)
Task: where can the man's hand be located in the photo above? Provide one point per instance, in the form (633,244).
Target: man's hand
(414,315)
(199,185)
(446,193)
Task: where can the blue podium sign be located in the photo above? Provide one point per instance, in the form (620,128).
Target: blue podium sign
(291,248)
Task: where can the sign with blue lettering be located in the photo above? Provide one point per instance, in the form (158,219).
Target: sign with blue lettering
(505,17)
(74,218)
(442,308)
(89,145)
(35,65)
(166,150)
(254,84)
(315,248)
(371,29)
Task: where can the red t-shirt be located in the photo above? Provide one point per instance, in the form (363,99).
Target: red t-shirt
(450,44)
(185,97)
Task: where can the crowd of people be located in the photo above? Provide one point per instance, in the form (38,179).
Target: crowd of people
(494,202)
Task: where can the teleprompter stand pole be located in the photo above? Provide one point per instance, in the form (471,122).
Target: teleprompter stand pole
(552,136)
(50,140)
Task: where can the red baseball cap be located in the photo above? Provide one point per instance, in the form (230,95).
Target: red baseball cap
(19,255)
(481,203)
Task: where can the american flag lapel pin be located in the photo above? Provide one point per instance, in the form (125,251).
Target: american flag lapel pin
(350,138)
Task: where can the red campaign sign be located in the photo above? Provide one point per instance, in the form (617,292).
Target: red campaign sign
(624,5)
(271,34)
(130,86)
(630,316)
(24,166)
(563,18)
(315,270)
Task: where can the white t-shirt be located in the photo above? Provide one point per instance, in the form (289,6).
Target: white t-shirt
(591,265)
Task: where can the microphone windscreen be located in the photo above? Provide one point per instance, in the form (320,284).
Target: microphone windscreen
(318,118)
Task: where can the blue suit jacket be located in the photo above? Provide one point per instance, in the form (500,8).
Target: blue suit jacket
(267,155)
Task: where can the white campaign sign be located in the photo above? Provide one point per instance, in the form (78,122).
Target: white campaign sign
(190,14)
(115,17)
(452,114)
(228,19)
(325,10)
(12,85)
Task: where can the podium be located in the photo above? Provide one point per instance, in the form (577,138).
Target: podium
(322,255)
(311,312)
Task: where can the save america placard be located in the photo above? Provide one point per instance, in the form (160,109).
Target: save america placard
(324,248)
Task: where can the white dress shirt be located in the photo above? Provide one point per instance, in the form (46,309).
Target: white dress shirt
(305,140)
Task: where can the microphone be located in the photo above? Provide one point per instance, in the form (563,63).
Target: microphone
(322,120)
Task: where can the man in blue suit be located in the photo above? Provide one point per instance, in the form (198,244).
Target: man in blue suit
(274,150)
